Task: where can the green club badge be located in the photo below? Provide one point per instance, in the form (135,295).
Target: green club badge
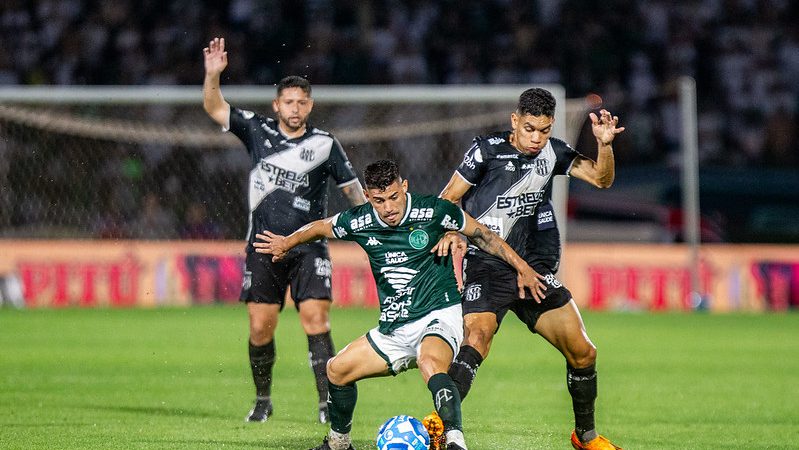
(418,239)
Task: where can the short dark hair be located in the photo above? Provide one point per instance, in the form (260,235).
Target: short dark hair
(294,81)
(536,102)
(380,174)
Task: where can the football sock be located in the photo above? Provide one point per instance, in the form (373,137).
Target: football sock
(341,403)
(262,358)
(446,399)
(320,349)
(582,387)
(464,369)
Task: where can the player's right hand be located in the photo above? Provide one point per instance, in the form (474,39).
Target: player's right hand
(450,242)
(532,281)
(273,244)
(215,56)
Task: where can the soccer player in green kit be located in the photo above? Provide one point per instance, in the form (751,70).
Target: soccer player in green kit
(420,322)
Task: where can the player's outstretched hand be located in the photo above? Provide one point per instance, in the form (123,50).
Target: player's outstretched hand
(450,242)
(531,280)
(604,126)
(215,56)
(273,244)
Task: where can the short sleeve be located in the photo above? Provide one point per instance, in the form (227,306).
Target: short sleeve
(472,167)
(452,216)
(341,226)
(340,167)
(241,124)
(564,157)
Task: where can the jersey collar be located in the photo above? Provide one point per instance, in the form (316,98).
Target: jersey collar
(404,217)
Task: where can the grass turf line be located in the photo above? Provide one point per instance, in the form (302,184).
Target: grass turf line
(179,379)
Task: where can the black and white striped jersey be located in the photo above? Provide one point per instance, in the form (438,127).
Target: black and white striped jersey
(511,191)
(288,181)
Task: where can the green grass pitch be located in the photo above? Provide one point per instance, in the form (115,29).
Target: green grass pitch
(179,379)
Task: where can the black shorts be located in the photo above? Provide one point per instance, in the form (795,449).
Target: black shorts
(306,269)
(490,286)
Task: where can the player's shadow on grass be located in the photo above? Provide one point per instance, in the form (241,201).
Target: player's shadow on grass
(159,411)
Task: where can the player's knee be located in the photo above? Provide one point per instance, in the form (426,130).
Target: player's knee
(261,333)
(336,372)
(584,357)
(479,338)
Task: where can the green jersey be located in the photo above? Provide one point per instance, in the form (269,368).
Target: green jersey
(411,281)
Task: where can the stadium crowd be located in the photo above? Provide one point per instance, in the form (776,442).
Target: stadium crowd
(744,55)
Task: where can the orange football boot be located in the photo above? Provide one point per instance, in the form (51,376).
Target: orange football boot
(435,428)
(598,443)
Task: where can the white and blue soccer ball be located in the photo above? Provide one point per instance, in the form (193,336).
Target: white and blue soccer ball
(403,433)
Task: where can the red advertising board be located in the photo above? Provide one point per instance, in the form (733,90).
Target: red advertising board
(600,276)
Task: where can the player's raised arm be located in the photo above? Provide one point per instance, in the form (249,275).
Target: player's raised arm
(277,245)
(491,243)
(213,102)
(601,172)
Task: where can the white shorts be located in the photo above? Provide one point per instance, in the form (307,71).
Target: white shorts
(401,348)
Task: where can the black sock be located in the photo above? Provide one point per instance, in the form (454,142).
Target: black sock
(447,400)
(262,358)
(464,369)
(320,349)
(582,387)
(341,404)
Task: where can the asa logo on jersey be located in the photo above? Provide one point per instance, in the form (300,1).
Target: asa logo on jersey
(361,222)
(421,213)
(449,223)
(280,178)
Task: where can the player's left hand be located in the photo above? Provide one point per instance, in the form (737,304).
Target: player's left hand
(273,244)
(532,281)
(452,242)
(604,126)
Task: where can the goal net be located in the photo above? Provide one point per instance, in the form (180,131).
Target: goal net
(147,163)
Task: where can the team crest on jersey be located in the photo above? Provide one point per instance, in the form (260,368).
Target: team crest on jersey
(541,167)
(307,154)
(418,239)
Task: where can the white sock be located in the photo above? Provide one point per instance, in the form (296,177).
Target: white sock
(339,441)
(456,436)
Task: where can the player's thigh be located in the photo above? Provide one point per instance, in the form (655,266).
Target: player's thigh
(310,274)
(265,281)
(263,321)
(315,315)
(356,361)
(563,327)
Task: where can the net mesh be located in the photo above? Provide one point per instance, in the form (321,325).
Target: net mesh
(164,171)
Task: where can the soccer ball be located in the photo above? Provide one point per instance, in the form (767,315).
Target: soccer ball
(403,433)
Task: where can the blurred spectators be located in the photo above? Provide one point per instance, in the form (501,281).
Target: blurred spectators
(198,225)
(743,53)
